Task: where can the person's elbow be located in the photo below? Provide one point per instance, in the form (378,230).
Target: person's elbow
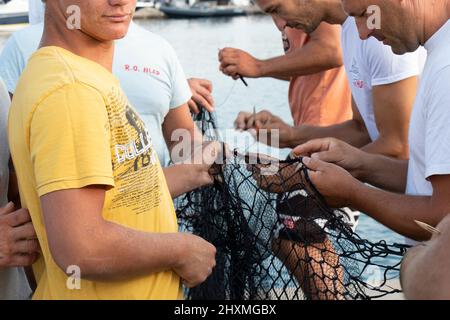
(394,147)
(400,150)
(80,252)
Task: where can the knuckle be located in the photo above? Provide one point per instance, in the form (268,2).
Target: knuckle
(7,248)
(6,261)
(33,245)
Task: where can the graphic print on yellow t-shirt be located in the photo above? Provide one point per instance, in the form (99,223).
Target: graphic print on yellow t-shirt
(138,192)
(71,126)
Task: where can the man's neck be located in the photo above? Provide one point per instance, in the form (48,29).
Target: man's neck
(434,13)
(78,43)
(334,12)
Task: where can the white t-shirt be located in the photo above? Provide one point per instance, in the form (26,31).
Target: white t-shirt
(146,65)
(4,149)
(13,282)
(429,135)
(36,11)
(370,63)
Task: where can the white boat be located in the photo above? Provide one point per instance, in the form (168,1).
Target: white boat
(14,12)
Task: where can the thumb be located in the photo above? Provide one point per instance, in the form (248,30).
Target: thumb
(312,164)
(325,156)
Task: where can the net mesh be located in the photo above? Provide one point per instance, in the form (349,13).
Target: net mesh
(277,239)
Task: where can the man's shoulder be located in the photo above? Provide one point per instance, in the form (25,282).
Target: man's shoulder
(439,60)
(51,70)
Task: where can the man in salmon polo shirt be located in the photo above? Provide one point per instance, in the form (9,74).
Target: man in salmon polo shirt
(319,94)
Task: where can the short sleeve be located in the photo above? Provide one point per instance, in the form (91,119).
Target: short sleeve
(437,139)
(70,140)
(181,92)
(385,67)
(12,63)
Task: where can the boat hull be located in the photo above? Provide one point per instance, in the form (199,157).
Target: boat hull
(13,18)
(192,13)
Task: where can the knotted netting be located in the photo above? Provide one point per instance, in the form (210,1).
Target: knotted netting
(277,239)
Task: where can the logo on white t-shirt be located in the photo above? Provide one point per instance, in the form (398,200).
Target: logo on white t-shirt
(142,69)
(355,75)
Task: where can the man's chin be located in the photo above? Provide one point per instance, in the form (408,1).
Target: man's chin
(117,32)
(399,50)
(308,29)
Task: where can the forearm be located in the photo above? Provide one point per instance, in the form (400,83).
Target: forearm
(117,253)
(180,132)
(388,147)
(181,179)
(350,131)
(304,61)
(383,172)
(103,250)
(397,211)
(422,279)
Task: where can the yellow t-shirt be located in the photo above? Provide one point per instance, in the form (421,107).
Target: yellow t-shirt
(71,126)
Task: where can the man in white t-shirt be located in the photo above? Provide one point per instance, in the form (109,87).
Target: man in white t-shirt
(383,84)
(36,11)
(419,186)
(426,177)
(18,244)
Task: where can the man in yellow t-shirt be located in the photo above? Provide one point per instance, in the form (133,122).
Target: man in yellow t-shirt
(88,173)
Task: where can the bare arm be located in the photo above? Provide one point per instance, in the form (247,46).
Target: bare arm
(105,251)
(354,132)
(380,171)
(183,178)
(396,211)
(422,279)
(195,171)
(178,126)
(322,52)
(393,104)
(383,172)
(181,133)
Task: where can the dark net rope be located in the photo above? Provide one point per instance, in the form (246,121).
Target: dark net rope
(277,239)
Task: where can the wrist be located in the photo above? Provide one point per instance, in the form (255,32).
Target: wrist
(180,248)
(294,137)
(198,175)
(362,169)
(356,189)
(262,68)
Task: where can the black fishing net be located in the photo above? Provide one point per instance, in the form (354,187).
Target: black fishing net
(277,239)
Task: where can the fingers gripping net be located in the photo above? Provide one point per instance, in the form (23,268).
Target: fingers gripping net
(277,239)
